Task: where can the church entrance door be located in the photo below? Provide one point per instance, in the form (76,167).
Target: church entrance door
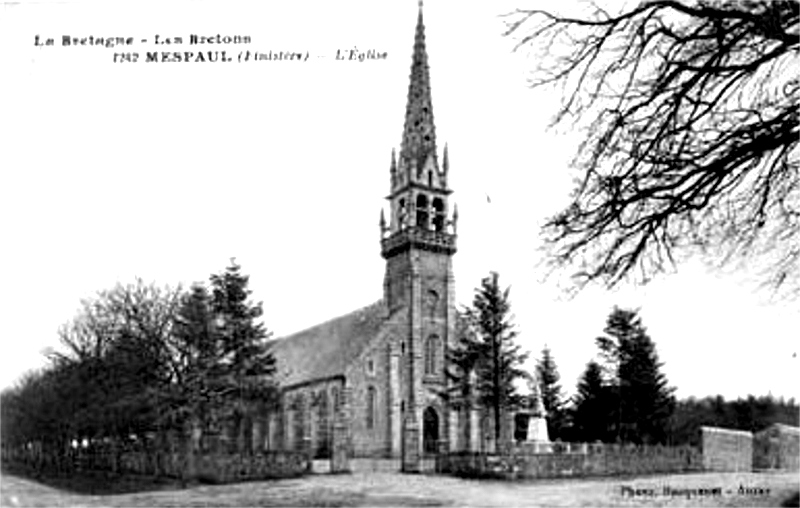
(430,431)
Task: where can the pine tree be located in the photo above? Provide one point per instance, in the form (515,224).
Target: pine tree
(247,366)
(593,410)
(550,390)
(644,400)
(497,359)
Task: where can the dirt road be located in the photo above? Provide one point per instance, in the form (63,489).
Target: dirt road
(393,489)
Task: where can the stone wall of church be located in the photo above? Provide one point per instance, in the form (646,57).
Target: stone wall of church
(308,412)
(373,384)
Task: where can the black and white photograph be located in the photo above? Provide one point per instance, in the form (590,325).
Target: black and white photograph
(400,253)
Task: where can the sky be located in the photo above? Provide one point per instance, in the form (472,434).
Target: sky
(164,171)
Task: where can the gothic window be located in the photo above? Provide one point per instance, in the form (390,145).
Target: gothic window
(438,215)
(371,396)
(370,366)
(336,398)
(422,211)
(323,426)
(431,354)
(433,302)
(299,421)
(430,178)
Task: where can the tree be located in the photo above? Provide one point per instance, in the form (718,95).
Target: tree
(644,400)
(108,381)
(117,348)
(462,359)
(248,367)
(752,414)
(550,390)
(691,134)
(593,408)
(198,355)
(139,359)
(496,359)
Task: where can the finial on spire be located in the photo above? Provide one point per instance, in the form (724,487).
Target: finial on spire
(445,160)
(382,223)
(455,218)
(394,163)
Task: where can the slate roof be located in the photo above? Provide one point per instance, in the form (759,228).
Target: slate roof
(324,350)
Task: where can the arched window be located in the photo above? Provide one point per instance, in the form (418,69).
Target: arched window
(324,422)
(371,403)
(299,421)
(432,302)
(438,215)
(337,399)
(431,354)
(422,211)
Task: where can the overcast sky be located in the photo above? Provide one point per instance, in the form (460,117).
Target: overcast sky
(166,170)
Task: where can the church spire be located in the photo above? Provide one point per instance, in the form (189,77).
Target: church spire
(419,133)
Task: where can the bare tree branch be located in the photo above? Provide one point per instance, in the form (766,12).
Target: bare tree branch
(691,114)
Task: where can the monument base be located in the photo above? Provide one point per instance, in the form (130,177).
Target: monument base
(537,430)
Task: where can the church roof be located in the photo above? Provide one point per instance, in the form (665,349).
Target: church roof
(324,350)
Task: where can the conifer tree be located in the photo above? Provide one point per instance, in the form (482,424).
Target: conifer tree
(247,364)
(644,400)
(550,390)
(593,407)
(497,359)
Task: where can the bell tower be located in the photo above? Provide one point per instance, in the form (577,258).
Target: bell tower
(418,243)
(420,224)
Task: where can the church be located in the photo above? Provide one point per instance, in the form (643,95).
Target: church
(380,370)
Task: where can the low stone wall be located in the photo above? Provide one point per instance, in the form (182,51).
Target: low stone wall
(590,460)
(726,449)
(219,467)
(259,466)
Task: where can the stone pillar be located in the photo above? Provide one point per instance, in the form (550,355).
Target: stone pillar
(411,451)
(307,443)
(395,397)
(443,450)
(456,431)
(473,431)
(308,452)
(340,446)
